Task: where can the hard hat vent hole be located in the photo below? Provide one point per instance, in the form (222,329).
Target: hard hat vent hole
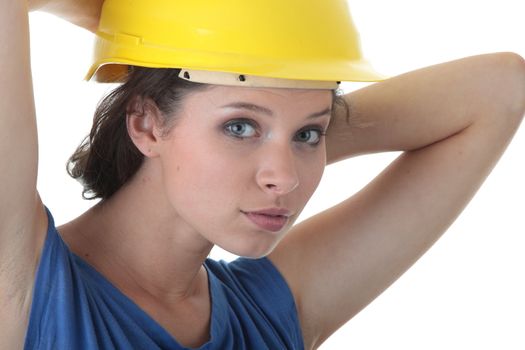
(186,75)
(242,78)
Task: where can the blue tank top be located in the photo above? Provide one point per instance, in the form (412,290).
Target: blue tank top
(75,307)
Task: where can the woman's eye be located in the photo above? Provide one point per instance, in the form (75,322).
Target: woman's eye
(240,128)
(309,136)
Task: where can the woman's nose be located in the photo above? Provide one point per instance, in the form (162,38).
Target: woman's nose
(277,171)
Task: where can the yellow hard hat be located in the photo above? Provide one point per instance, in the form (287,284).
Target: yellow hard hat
(312,40)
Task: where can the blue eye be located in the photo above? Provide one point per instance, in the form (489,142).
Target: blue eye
(240,129)
(309,136)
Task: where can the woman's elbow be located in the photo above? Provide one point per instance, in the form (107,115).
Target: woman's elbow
(510,83)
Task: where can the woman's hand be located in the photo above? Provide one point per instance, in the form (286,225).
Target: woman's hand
(83,13)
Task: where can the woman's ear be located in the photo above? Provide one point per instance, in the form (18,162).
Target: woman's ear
(143,124)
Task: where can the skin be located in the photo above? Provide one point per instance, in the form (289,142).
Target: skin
(459,115)
(161,212)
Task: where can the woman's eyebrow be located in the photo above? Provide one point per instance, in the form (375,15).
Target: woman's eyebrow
(326,111)
(263,110)
(249,106)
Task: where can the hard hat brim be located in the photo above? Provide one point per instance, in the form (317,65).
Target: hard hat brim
(115,70)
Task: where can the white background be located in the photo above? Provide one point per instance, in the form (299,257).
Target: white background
(468,291)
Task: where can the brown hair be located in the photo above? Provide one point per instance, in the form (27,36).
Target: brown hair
(107,158)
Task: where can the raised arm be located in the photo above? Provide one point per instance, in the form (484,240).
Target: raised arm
(453,121)
(23,220)
(21,215)
(429,105)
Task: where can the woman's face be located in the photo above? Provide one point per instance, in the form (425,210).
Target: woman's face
(240,163)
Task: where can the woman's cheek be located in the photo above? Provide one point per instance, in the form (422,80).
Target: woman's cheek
(312,172)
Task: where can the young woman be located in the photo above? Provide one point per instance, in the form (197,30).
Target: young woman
(183,166)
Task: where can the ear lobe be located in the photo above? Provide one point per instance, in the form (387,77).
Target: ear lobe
(142,116)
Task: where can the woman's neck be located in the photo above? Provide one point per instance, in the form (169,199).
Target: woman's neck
(140,244)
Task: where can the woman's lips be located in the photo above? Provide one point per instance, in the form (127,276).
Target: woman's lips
(272,223)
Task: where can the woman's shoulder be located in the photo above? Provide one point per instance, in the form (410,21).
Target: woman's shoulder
(75,307)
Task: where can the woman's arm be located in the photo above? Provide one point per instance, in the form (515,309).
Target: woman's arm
(23,220)
(419,108)
(22,217)
(453,121)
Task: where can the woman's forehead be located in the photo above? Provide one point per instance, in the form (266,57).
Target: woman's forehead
(219,96)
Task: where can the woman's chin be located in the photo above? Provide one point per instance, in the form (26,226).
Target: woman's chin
(256,251)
